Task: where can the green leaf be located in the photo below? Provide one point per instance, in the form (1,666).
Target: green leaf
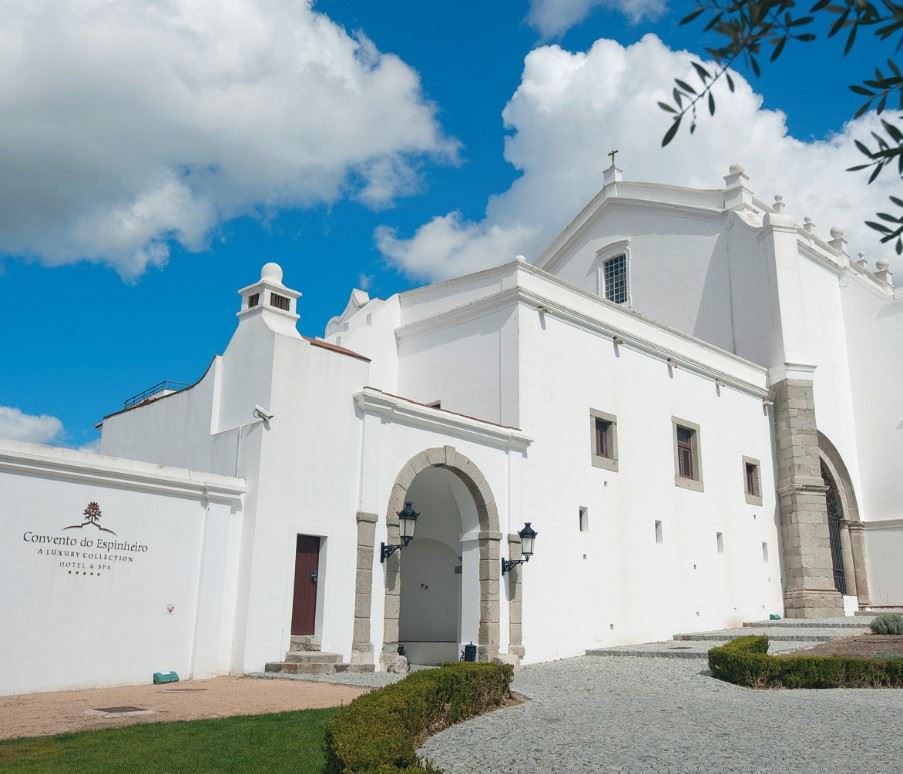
(874,174)
(863,109)
(703,74)
(711,104)
(885,216)
(858,167)
(669,135)
(730,82)
(878,227)
(691,16)
(892,130)
(685,86)
(851,39)
(755,66)
(896,200)
(863,148)
(667,107)
(861,90)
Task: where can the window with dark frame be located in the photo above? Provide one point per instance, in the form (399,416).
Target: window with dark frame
(603,438)
(686,464)
(614,275)
(752,479)
(253,299)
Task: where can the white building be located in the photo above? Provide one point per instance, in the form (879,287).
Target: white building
(695,401)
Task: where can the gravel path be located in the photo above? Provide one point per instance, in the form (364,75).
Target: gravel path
(638,715)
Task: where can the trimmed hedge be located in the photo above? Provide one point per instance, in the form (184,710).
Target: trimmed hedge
(745,661)
(379,731)
(887,623)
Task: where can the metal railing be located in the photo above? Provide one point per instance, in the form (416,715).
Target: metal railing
(166,384)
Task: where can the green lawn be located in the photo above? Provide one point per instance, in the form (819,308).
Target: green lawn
(285,741)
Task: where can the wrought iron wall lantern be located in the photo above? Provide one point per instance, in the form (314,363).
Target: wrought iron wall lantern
(407,520)
(527,536)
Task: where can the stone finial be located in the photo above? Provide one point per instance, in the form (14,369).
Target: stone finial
(778,205)
(862,263)
(271,272)
(737,195)
(809,225)
(884,274)
(520,258)
(838,240)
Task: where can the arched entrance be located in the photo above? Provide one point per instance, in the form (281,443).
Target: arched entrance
(844,524)
(448,593)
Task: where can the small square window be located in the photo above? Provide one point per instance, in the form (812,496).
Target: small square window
(603,440)
(687,460)
(584,519)
(719,542)
(614,277)
(253,300)
(658,532)
(752,481)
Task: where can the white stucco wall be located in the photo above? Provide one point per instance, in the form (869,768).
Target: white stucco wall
(90,608)
(614,584)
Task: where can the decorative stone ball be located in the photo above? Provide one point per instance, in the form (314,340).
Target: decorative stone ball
(271,272)
(520,258)
(883,264)
(737,168)
(836,232)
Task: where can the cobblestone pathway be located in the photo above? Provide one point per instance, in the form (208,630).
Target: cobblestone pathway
(639,715)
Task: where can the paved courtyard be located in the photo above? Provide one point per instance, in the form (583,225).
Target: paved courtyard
(627,714)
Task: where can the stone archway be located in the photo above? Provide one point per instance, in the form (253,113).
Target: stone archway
(489,538)
(852,540)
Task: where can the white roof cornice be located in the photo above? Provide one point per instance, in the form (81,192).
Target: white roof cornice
(409,412)
(100,469)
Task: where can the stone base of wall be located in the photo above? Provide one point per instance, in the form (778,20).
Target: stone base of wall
(362,654)
(813,603)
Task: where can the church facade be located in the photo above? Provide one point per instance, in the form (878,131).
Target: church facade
(692,400)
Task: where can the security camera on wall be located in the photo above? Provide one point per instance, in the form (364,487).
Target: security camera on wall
(262,413)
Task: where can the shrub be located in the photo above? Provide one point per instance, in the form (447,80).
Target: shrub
(379,731)
(745,661)
(887,623)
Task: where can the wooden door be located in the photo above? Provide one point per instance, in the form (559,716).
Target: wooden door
(307,563)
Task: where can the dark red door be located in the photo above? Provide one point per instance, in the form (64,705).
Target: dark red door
(307,563)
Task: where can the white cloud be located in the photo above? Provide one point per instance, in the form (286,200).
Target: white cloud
(129,125)
(17,426)
(555,17)
(570,109)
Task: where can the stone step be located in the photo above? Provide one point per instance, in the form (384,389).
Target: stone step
(312,657)
(776,634)
(873,611)
(295,668)
(315,667)
(304,642)
(856,622)
(685,649)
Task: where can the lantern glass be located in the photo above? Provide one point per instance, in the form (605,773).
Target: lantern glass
(407,521)
(527,536)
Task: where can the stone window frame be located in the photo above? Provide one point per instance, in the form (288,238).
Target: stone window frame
(752,498)
(693,484)
(606,253)
(609,462)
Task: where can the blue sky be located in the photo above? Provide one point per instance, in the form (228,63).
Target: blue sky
(92,310)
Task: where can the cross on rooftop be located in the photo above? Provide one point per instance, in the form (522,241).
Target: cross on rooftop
(612,154)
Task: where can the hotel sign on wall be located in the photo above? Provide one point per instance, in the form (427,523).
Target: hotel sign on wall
(93,550)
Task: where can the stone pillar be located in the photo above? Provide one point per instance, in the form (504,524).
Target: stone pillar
(490,571)
(515,630)
(362,645)
(808,571)
(390,660)
(857,549)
